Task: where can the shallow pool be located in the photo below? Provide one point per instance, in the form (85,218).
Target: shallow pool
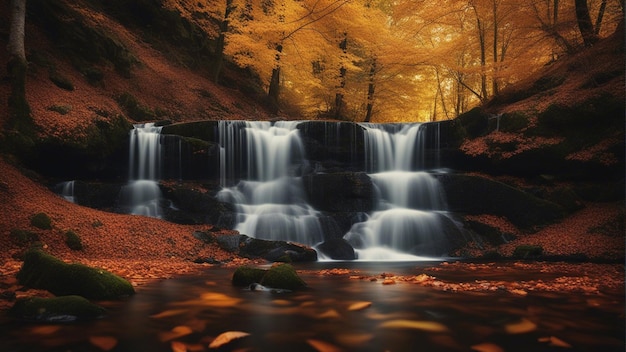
(336,313)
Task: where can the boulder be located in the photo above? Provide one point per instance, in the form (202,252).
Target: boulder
(275,251)
(44,271)
(279,276)
(337,249)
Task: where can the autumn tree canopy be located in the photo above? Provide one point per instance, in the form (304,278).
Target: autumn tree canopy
(406,60)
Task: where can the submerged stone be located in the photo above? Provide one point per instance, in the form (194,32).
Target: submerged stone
(56,309)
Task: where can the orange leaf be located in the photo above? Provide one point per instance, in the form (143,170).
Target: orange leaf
(227,337)
(105,343)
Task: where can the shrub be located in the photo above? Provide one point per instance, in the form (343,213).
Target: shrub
(41,221)
(22,237)
(73,241)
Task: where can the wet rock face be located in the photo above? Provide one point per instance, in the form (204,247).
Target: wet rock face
(340,192)
(471,194)
(274,251)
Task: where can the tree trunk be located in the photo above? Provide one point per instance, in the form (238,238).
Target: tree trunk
(343,45)
(370,91)
(584,23)
(221,42)
(274,89)
(19,111)
(596,29)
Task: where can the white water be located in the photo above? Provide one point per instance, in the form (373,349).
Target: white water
(270,200)
(142,194)
(67,190)
(408,214)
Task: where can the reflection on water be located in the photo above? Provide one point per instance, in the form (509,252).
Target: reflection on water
(188,313)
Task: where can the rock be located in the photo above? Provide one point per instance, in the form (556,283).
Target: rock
(246,276)
(42,270)
(275,251)
(337,249)
(282,276)
(279,276)
(204,236)
(229,243)
(56,310)
(342,192)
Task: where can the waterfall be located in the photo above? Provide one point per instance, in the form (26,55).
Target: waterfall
(141,195)
(409,216)
(261,167)
(66,190)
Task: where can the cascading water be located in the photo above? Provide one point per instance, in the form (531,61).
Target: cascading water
(408,220)
(66,190)
(269,198)
(141,196)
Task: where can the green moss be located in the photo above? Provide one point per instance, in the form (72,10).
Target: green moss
(42,270)
(282,276)
(56,309)
(528,251)
(279,276)
(41,221)
(23,237)
(73,241)
(245,275)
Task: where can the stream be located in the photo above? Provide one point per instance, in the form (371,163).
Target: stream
(188,313)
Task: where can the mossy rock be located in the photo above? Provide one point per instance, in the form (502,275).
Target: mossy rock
(44,271)
(279,276)
(245,275)
(528,251)
(283,276)
(56,309)
(41,221)
(73,241)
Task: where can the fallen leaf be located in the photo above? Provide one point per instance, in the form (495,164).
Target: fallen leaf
(331,313)
(322,346)
(178,346)
(555,341)
(176,332)
(414,324)
(45,329)
(360,305)
(105,343)
(169,313)
(227,337)
(354,340)
(487,347)
(521,327)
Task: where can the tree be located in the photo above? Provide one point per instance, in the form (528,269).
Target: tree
(584,23)
(20,124)
(221,41)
